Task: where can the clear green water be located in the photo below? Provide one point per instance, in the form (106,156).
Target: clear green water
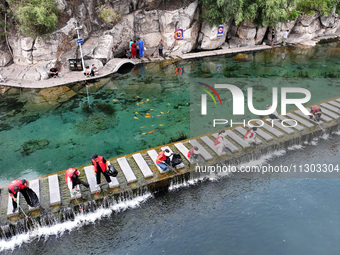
(39,137)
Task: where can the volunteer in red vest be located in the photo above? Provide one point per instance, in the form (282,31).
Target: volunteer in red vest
(163,159)
(250,136)
(100,166)
(316,111)
(193,154)
(18,186)
(73,181)
(220,141)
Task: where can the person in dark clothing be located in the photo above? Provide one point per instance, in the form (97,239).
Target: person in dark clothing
(94,70)
(316,113)
(19,186)
(72,180)
(100,166)
(54,72)
(273,36)
(273,115)
(160,48)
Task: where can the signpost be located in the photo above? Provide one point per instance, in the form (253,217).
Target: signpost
(80,41)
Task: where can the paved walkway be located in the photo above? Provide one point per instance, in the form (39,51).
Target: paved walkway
(11,73)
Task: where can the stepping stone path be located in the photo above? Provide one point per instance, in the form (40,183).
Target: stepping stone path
(234,139)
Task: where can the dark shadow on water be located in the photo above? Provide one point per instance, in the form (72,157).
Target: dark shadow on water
(125,68)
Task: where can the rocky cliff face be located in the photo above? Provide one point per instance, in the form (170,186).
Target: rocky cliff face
(103,41)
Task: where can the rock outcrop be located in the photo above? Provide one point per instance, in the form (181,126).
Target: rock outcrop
(104,41)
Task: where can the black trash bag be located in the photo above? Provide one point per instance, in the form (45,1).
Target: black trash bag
(112,171)
(176,159)
(33,197)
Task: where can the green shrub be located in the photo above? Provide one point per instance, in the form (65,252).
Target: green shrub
(35,17)
(108,14)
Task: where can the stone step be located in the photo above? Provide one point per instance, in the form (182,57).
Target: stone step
(10,206)
(263,134)
(54,189)
(114,181)
(76,195)
(331,108)
(203,152)
(91,179)
(300,120)
(35,186)
(212,146)
(323,116)
(338,100)
(331,115)
(179,166)
(290,122)
(183,150)
(278,124)
(153,155)
(143,166)
(270,129)
(229,144)
(126,169)
(243,131)
(244,144)
(336,104)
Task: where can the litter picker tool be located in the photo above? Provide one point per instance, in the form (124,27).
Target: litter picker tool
(80,208)
(320,126)
(26,217)
(172,168)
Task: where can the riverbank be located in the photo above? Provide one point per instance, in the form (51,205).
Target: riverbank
(10,74)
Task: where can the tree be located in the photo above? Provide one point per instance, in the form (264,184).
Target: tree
(35,17)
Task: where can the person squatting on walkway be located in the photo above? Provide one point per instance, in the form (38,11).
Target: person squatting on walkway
(73,181)
(19,186)
(163,159)
(220,141)
(193,155)
(250,136)
(316,113)
(100,166)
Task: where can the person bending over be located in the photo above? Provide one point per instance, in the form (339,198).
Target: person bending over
(73,181)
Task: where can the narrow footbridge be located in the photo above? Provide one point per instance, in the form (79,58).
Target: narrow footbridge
(139,169)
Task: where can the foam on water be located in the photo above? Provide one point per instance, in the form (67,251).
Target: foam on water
(79,221)
(295,147)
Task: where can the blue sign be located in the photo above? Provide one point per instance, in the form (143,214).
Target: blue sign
(80,41)
(220,31)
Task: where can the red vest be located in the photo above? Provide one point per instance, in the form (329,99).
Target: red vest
(16,182)
(163,157)
(101,164)
(249,134)
(217,141)
(191,152)
(316,108)
(69,172)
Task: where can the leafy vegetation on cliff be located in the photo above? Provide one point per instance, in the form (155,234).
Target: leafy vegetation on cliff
(34,17)
(263,12)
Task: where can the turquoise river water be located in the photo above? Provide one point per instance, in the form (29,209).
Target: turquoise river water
(221,215)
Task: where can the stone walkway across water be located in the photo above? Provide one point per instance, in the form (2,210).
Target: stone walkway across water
(139,169)
(12,73)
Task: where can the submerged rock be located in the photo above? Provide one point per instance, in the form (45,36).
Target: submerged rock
(59,94)
(241,57)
